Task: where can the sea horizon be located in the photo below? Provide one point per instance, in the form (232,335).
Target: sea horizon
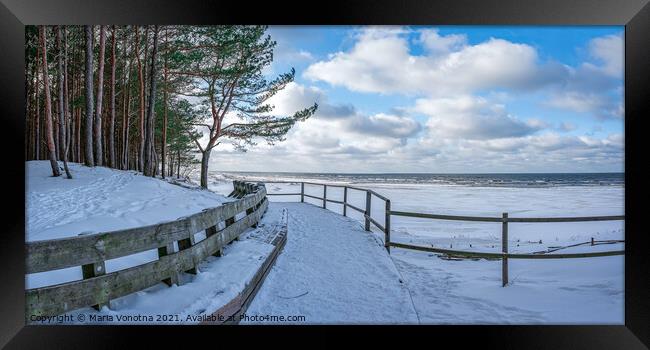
(467,179)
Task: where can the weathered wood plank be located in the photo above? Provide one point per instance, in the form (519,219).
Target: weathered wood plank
(54,300)
(315,197)
(375,222)
(500,255)
(232,311)
(570,219)
(446,217)
(76,251)
(355,208)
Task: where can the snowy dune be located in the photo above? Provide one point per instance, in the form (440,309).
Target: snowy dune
(98,200)
(101,199)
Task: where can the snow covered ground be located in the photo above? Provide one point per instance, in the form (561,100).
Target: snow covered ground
(563,291)
(331,271)
(98,200)
(101,199)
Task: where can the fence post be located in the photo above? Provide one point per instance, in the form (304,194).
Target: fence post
(302,192)
(94,270)
(345,200)
(324,196)
(387,227)
(175,277)
(504,249)
(187,243)
(210,231)
(368,201)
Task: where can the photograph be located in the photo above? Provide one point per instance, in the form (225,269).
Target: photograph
(324,174)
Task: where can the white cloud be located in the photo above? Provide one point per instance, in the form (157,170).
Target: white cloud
(578,102)
(609,50)
(381,62)
(567,126)
(472,118)
(438,44)
(464,132)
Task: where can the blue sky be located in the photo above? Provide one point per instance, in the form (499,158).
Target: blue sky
(446,99)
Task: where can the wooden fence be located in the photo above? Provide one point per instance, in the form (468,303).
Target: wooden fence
(90,252)
(504,219)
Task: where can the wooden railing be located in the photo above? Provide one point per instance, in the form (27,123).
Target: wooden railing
(504,219)
(90,252)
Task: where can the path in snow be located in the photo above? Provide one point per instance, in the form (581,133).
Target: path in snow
(332,271)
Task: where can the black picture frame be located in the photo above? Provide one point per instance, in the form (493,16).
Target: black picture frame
(633,14)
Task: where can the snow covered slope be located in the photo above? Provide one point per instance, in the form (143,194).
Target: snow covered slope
(101,199)
(98,200)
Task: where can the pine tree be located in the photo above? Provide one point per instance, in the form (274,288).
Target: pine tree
(226,64)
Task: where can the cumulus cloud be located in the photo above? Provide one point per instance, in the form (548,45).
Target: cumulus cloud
(609,51)
(594,88)
(463,90)
(340,128)
(472,118)
(437,44)
(386,125)
(381,62)
(567,126)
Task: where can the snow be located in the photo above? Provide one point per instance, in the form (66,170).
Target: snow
(563,291)
(98,200)
(217,282)
(331,271)
(101,199)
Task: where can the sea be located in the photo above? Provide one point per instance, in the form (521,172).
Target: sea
(519,180)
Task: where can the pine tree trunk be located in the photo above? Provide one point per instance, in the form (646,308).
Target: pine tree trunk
(141,90)
(63,143)
(171,165)
(89,97)
(163,144)
(48,107)
(99,160)
(149,141)
(178,166)
(111,128)
(125,108)
(37,115)
(205,159)
(66,95)
(28,116)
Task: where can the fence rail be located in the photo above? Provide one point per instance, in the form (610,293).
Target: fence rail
(504,220)
(90,252)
